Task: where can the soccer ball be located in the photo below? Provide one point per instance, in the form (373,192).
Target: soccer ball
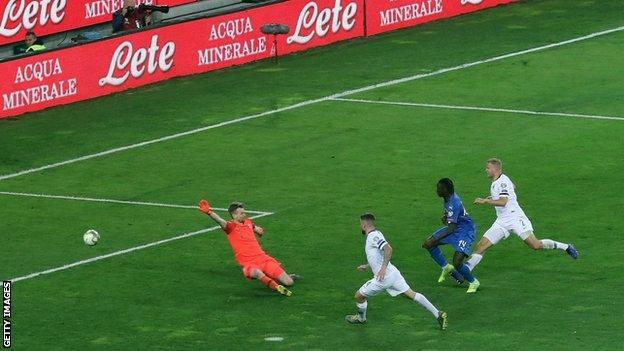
(91,237)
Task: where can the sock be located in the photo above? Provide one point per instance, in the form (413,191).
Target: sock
(473,261)
(465,272)
(457,275)
(269,282)
(422,300)
(362,310)
(437,256)
(551,244)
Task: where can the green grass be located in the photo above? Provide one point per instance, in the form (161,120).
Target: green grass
(319,167)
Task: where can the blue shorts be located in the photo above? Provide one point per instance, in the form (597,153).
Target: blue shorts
(461,239)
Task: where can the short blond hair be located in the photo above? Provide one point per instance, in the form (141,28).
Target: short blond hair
(496,162)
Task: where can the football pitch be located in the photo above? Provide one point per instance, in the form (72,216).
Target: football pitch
(308,145)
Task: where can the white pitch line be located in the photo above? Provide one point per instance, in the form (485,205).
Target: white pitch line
(475,63)
(124,202)
(487,109)
(313,101)
(121,252)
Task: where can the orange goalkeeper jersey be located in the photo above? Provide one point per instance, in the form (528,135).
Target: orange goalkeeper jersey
(243,241)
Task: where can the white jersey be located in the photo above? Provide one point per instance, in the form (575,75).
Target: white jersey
(503,187)
(375,242)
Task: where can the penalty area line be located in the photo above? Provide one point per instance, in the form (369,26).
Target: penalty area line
(122,252)
(123,202)
(479,108)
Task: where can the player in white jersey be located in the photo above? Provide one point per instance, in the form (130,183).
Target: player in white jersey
(509,217)
(386,276)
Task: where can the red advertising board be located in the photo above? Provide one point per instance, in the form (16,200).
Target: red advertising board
(116,64)
(54,16)
(387,15)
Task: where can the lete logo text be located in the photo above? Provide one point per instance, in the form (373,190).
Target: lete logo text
(20,14)
(127,62)
(314,21)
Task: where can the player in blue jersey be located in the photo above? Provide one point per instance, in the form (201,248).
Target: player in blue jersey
(458,231)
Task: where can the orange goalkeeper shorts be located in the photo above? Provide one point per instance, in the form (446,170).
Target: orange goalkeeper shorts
(267,264)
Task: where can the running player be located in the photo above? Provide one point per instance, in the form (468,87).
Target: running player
(241,233)
(459,232)
(510,217)
(386,276)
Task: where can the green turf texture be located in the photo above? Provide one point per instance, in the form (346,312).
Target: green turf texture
(319,167)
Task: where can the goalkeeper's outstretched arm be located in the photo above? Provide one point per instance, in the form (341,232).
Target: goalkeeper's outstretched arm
(204,207)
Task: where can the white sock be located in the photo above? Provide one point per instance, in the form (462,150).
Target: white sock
(474,260)
(421,299)
(362,310)
(551,245)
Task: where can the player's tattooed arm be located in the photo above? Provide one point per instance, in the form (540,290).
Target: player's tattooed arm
(387,249)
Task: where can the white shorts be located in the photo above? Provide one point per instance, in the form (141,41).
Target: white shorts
(394,284)
(501,229)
